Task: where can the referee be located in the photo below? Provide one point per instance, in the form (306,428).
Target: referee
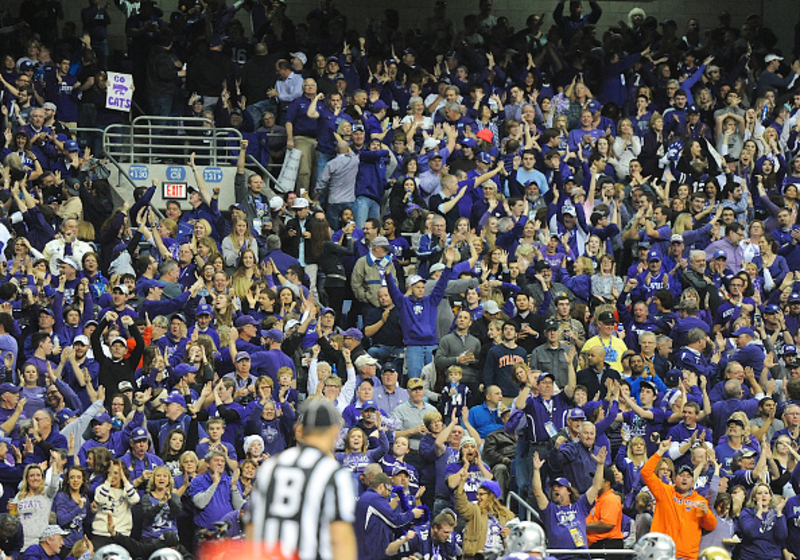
(303,501)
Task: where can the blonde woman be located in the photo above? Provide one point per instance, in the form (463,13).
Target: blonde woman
(240,238)
(762,525)
(35,498)
(161,506)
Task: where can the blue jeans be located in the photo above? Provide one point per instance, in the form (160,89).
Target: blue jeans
(416,358)
(333,212)
(384,353)
(258,109)
(366,208)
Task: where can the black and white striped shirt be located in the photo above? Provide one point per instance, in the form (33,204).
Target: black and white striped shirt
(296,496)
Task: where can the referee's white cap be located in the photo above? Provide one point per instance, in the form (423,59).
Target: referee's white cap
(319,413)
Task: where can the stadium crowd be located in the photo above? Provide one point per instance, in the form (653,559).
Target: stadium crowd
(543,260)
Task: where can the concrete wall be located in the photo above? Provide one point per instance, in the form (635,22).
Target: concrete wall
(780,15)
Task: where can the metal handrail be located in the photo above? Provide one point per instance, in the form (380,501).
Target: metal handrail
(524,503)
(149,137)
(592,552)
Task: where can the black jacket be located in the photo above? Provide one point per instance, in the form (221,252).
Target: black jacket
(588,378)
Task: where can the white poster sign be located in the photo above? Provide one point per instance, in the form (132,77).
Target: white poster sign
(120,91)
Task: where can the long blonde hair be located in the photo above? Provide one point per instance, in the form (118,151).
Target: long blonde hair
(24,489)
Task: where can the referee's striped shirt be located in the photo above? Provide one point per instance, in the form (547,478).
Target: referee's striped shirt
(296,497)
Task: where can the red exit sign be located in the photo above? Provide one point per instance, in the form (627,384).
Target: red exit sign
(174,191)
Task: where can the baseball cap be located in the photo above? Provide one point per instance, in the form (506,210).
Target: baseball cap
(551,325)
(491,307)
(203,309)
(692,109)
(378,106)
(358,127)
(102,418)
(415,383)
(789,349)
(369,405)
(767,59)
(244,320)
(561,481)
(8,388)
(61,417)
(81,339)
(734,421)
(397,469)
(468,440)
(414,279)
(469,143)
(51,531)
(486,135)
(720,255)
(26,65)
(125,386)
(430,143)
(653,256)
(47,311)
(182,369)
(744,454)
(365,360)
(594,106)
(71,146)
(794,297)
(301,56)
(118,339)
(333,59)
(576,414)
(485,157)
(319,413)
(381,241)
(275,203)
(744,330)
(437,267)
(772,308)
(290,324)
(644,383)
(606,318)
(570,210)
(353,332)
(175,398)
(326,310)
(122,288)
(70,261)
(139,434)
(300,203)
(676,238)
(544,375)
(542,265)
(685,468)
(273,334)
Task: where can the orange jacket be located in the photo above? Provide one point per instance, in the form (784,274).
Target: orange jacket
(607,509)
(676,515)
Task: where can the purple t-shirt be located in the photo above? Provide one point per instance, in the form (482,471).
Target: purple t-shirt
(645,428)
(566,525)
